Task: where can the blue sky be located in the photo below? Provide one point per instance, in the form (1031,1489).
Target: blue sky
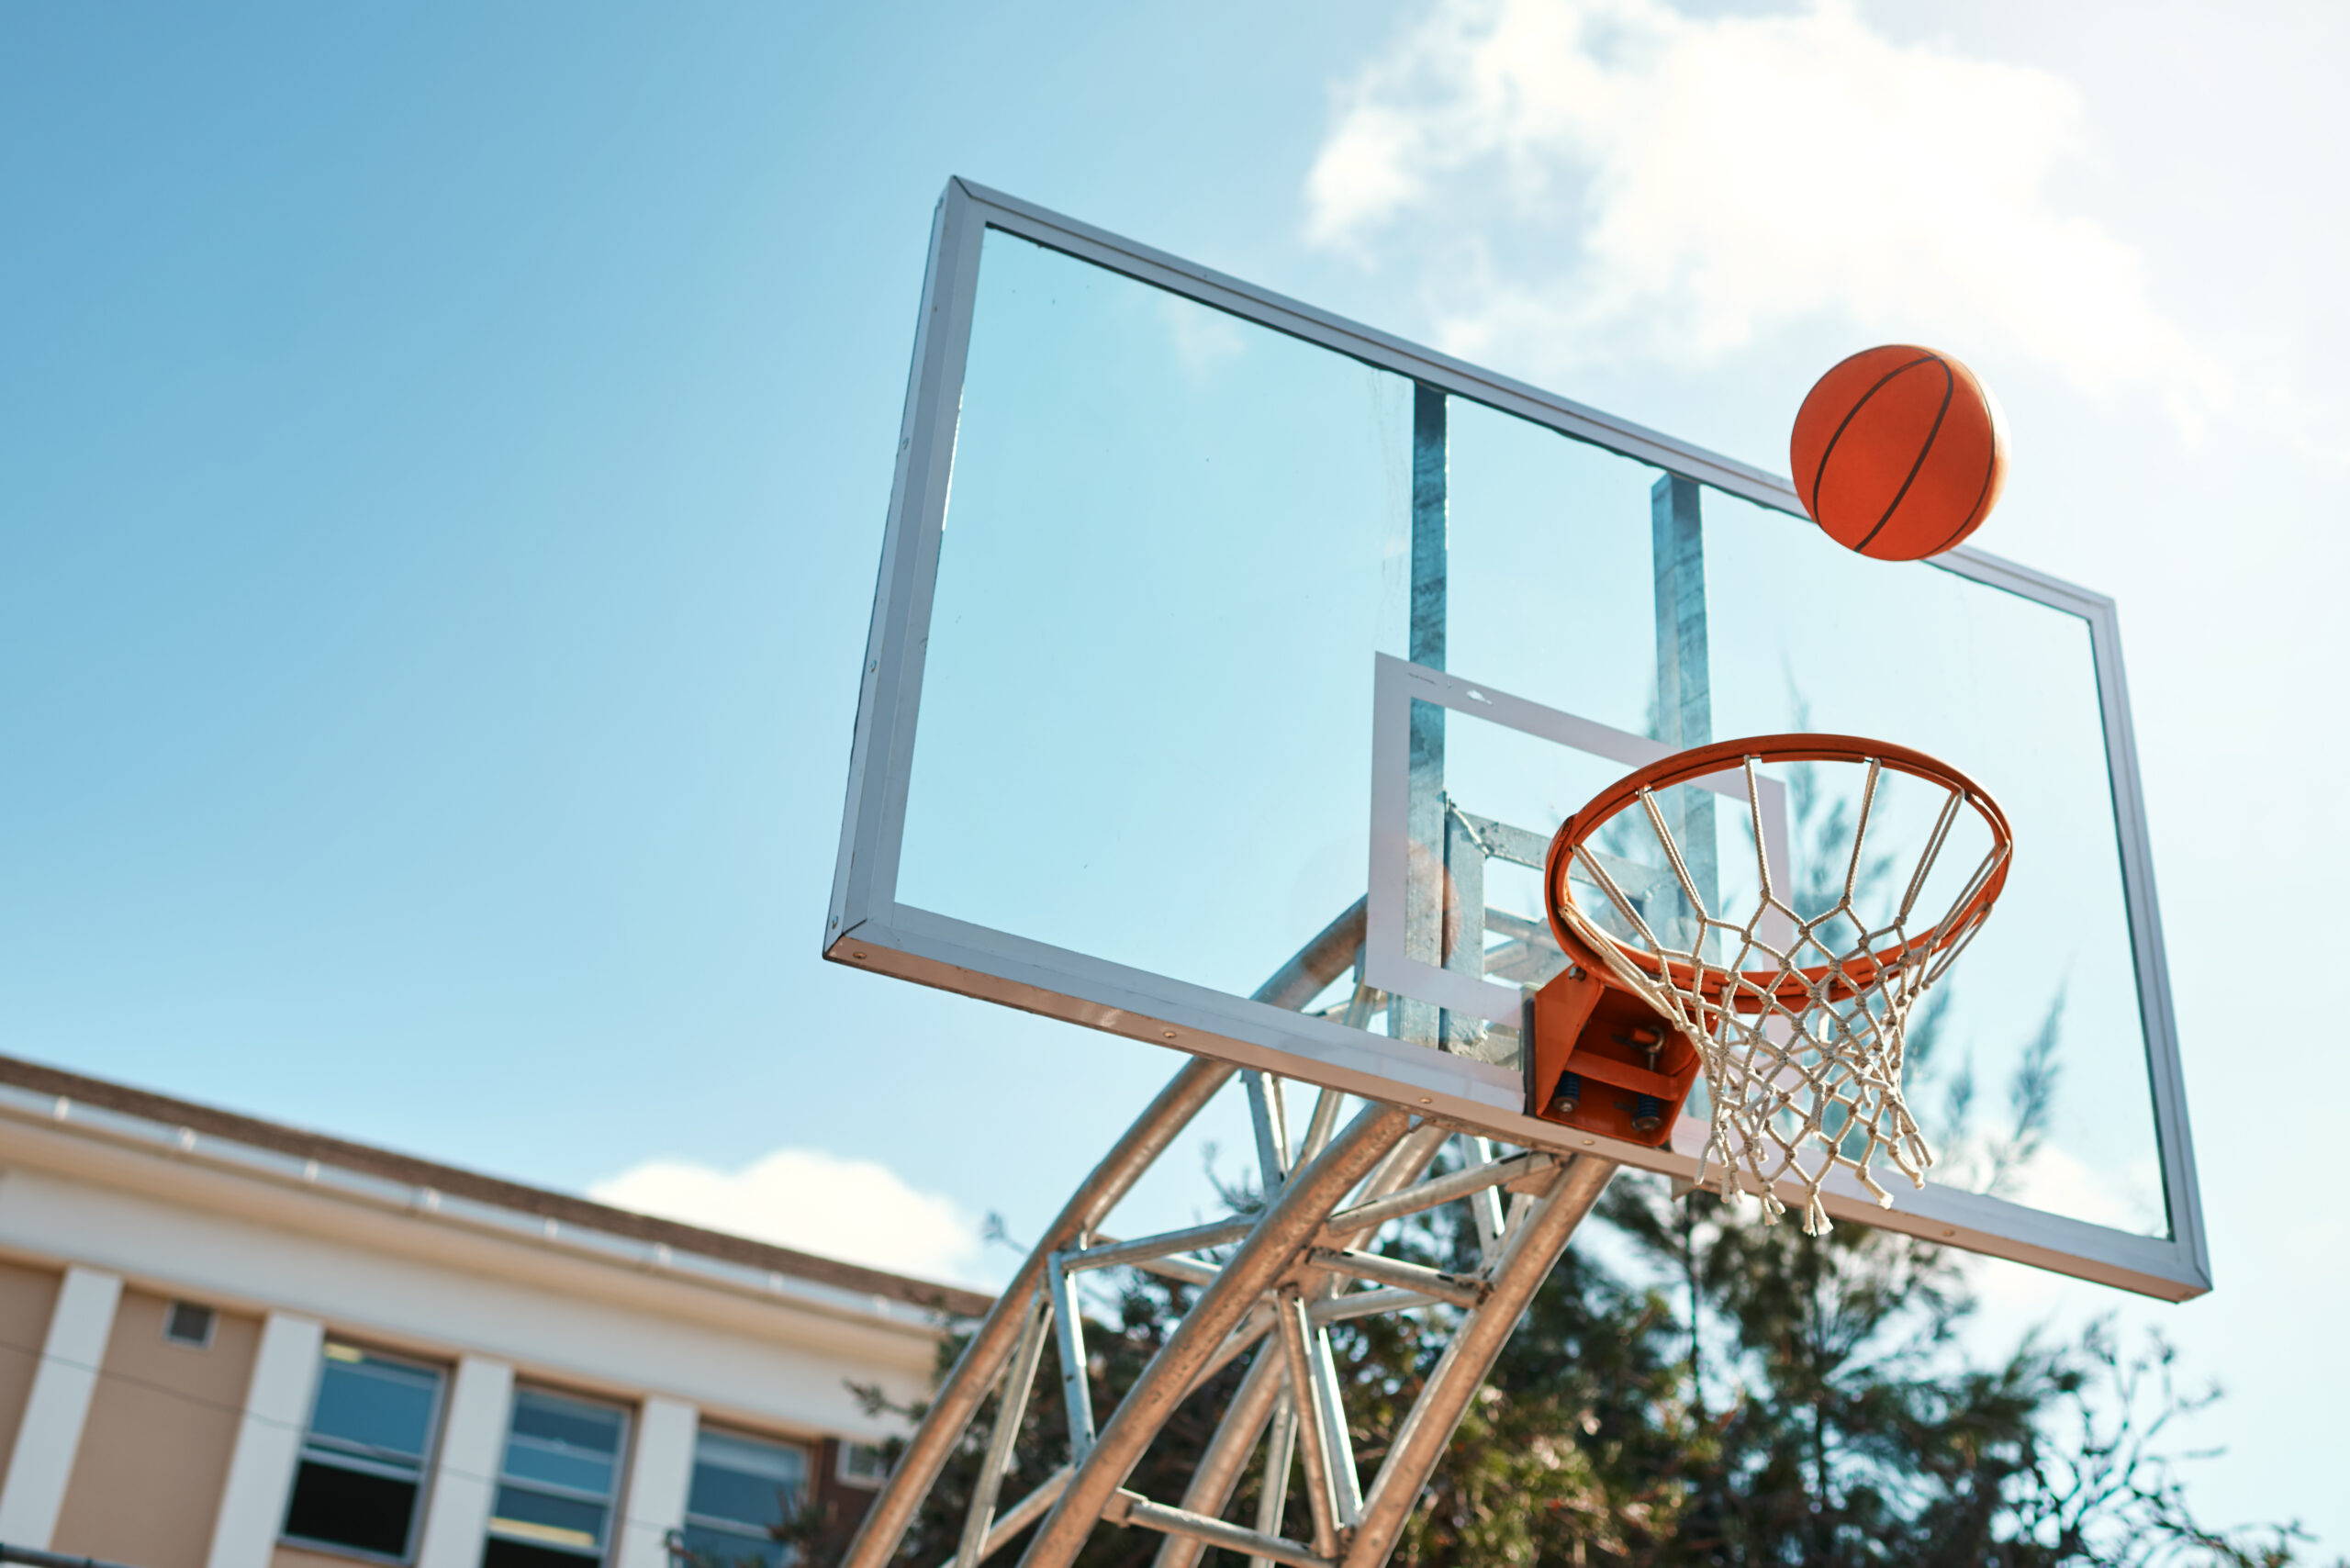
(446,448)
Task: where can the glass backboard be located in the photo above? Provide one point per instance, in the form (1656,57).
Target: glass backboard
(1233,665)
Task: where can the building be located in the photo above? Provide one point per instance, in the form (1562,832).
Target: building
(226,1343)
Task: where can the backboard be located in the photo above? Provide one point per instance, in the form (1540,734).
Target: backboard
(1232,666)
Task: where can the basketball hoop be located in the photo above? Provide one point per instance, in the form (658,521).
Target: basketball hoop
(1799,1031)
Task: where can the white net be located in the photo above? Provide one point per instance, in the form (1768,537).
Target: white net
(1798,1019)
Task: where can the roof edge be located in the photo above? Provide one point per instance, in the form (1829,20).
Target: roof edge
(457,1182)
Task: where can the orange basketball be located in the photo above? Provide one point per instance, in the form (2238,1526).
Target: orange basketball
(1900,453)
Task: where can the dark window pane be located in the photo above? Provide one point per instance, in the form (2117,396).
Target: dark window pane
(584,1472)
(367,1512)
(188,1324)
(746,1481)
(863,1464)
(746,1499)
(708,1548)
(381,1408)
(529,1459)
(556,1521)
(591,1429)
(522,1555)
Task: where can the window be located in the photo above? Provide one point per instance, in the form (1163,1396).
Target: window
(190,1325)
(862,1464)
(743,1489)
(555,1488)
(362,1461)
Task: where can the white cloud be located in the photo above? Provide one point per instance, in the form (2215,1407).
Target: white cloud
(1587,179)
(858,1211)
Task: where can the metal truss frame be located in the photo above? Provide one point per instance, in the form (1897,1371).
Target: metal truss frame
(1306,1259)
(1303,1263)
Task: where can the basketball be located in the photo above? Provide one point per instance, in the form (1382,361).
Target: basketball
(1900,453)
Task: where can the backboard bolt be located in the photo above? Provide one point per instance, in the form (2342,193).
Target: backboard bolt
(858,955)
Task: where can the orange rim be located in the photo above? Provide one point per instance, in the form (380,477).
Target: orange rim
(1748,988)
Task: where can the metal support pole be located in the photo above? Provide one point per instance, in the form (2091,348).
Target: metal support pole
(1220,1465)
(1413,1156)
(1346,1484)
(1252,1406)
(1367,1303)
(1280,1458)
(1133,1509)
(1425,912)
(1236,1344)
(1465,920)
(1107,1254)
(960,1394)
(1443,1190)
(1402,1275)
(1269,1112)
(1430,471)
(1219,1469)
(1313,966)
(1271,1251)
(1327,1104)
(1486,1206)
(1684,702)
(1011,1409)
(1531,1252)
(1313,1431)
(1068,1333)
(1027,1511)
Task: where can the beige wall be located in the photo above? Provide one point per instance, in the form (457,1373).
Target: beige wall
(154,1456)
(294,1557)
(26,1298)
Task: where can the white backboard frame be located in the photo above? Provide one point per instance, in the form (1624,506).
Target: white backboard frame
(1395,686)
(868,928)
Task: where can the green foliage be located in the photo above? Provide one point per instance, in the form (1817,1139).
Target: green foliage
(1581,1443)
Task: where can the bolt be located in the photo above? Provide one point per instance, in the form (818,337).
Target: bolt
(1568,1097)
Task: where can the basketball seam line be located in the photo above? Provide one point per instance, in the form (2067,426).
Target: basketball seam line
(1950,384)
(1990,467)
(1819,475)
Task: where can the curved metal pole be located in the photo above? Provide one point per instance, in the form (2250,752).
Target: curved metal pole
(1227,1452)
(1271,1251)
(1011,1407)
(983,1359)
(1530,1255)
(1226,1455)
